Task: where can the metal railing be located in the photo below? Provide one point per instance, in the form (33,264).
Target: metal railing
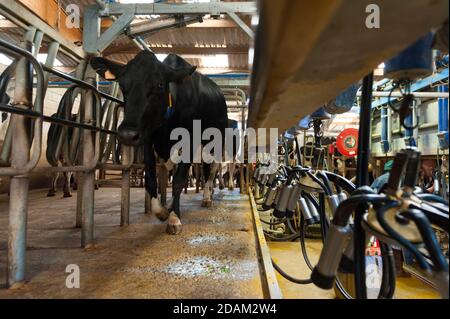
(22,151)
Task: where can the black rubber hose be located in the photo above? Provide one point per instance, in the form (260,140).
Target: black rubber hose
(388,280)
(389,285)
(326,182)
(277,239)
(273,223)
(432,198)
(438,216)
(318,181)
(303,243)
(429,238)
(290,278)
(324,224)
(291,228)
(336,179)
(347,207)
(380,211)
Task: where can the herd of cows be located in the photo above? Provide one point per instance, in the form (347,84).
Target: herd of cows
(159,97)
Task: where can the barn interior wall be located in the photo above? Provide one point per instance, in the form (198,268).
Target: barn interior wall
(427,137)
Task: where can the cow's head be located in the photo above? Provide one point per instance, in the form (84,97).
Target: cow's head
(144,82)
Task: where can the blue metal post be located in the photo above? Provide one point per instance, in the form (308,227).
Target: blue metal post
(385,130)
(443,118)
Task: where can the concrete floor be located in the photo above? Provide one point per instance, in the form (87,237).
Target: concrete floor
(214,257)
(288,256)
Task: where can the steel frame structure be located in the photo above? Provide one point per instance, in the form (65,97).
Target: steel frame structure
(25,154)
(123,15)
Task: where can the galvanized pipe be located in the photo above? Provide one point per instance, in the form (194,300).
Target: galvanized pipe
(18,203)
(87,227)
(416,94)
(80,74)
(138,41)
(38,104)
(125,192)
(164,23)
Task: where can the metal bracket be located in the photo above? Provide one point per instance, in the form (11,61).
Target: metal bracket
(241,24)
(93,41)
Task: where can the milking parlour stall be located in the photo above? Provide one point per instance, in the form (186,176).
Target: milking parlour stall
(223,158)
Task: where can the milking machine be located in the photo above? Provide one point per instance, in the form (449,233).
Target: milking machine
(399,215)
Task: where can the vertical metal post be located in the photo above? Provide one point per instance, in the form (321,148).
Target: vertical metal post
(79,73)
(243,185)
(242,179)
(18,202)
(125,196)
(87,227)
(362,179)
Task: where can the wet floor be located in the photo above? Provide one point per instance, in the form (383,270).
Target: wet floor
(214,257)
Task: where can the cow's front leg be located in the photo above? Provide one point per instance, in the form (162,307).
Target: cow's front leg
(52,190)
(208,190)
(197,177)
(221,184)
(174,225)
(151,185)
(230,176)
(66,189)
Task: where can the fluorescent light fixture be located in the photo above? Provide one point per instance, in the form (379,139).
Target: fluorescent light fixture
(251,54)
(136,1)
(215,61)
(161,56)
(42,57)
(5,60)
(195,1)
(255,19)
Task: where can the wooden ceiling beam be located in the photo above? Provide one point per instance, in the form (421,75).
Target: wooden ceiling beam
(130,49)
(55,17)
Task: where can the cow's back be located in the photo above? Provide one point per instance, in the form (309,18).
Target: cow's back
(197,98)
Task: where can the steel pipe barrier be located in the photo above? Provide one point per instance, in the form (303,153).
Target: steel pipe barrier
(84,152)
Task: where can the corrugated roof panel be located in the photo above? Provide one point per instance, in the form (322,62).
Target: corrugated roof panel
(230,37)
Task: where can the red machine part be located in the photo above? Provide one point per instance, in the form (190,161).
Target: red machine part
(347,142)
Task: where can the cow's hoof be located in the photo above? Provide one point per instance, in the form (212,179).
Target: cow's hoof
(51,194)
(174,226)
(67,195)
(162,214)
(206,203)
(231,188)
(221,187)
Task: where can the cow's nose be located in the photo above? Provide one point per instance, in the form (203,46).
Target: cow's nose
(128,136)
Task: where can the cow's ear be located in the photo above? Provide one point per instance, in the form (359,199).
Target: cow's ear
(109,70)
(178,75)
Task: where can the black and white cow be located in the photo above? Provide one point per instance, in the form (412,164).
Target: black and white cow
(147,85)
